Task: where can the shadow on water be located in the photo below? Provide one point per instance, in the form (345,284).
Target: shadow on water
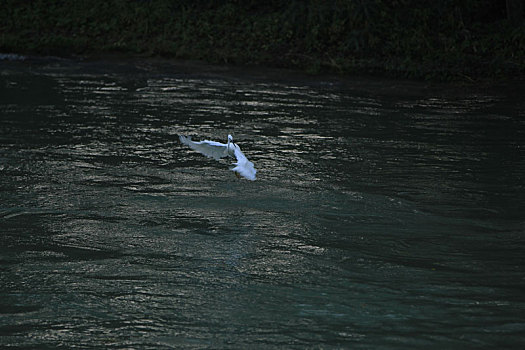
(385,214)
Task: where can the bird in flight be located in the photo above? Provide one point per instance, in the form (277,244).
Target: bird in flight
(217,150)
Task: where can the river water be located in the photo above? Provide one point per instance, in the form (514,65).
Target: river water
(385,215)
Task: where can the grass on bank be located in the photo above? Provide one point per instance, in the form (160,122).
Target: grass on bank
(444,40)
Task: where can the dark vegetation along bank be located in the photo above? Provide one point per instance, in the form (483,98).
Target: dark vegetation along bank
(446,40)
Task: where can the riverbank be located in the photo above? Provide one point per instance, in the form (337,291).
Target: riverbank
(467,41)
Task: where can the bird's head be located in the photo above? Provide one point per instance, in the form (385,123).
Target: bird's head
(231,146)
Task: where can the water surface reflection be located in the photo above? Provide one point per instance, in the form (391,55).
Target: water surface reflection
(380,218)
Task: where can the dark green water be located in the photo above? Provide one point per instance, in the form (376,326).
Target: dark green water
(386,215)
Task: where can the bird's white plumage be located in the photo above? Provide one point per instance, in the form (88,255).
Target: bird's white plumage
(217,150)
(212,149)
(244,166)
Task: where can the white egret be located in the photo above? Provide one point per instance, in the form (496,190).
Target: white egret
(217,150)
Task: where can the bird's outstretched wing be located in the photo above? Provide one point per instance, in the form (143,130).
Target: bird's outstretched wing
(212,149)
(243,166)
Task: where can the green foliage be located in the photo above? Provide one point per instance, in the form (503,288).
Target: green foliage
(421,39)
